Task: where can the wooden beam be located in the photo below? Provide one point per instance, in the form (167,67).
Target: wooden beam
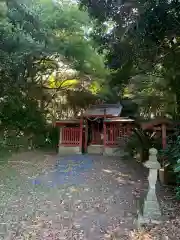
(86,136)
(163,136)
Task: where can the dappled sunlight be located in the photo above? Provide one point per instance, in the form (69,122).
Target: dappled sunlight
(32,163)
(121,180)
(107,171)
(74,189)
(123,174)
(119,234)
(77,76)
(124,181)
(69,204)
(141,234)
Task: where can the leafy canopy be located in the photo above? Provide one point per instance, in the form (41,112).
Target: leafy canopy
(142,39)
(47,56)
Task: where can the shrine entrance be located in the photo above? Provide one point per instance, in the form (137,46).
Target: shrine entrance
(95,131)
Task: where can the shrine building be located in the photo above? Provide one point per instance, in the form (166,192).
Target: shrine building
(101,129)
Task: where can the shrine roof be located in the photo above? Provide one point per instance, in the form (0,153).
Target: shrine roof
(111,110)
(119,119)
(156,122)
(67,121)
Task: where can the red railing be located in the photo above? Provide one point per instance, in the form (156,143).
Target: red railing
(116,133)
(70,136)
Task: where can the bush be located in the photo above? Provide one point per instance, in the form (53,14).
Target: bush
(140,142)
(47,139)
(172,156)
(14,140)
(177,171)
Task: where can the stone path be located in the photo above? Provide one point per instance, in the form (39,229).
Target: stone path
(77,197)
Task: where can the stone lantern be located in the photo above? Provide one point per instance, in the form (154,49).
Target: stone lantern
(151,210)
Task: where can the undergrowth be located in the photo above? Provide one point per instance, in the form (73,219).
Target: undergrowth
(12,141)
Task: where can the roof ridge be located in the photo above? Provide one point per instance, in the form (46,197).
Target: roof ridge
(105,105)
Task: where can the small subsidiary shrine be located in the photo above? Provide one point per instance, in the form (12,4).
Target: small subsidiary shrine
(101,129)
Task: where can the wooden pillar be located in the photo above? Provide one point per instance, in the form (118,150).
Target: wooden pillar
(81,134)
(163,129)
(163,136)
(60,135)
(104,128)
(60,139)
(86,137)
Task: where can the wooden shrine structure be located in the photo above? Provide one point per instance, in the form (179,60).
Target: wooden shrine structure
(101,129)
(105,128)
(160,126)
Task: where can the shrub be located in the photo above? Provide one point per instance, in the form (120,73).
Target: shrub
(171,156)
(140,142)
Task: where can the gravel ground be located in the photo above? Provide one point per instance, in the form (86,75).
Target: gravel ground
(44,196)
(169,229)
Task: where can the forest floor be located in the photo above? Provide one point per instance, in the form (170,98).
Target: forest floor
(45,196)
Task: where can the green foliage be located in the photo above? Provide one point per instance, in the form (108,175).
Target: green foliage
(3,9)
(139,144)
(171,153)
(46,56)
(141,40)
(134,147)
(171,156)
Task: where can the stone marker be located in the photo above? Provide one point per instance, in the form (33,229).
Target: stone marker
(151,211)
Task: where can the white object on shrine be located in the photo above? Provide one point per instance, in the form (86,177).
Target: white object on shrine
(151,210)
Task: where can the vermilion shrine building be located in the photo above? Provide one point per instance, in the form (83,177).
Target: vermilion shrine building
(101,129)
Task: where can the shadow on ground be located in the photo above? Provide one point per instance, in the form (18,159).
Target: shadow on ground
(78,197)
(68,170)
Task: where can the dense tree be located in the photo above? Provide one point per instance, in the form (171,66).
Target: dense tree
(46,57)
(141,38)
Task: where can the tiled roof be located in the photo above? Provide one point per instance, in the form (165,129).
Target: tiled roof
(119,119)
(67,121)
(113,110)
